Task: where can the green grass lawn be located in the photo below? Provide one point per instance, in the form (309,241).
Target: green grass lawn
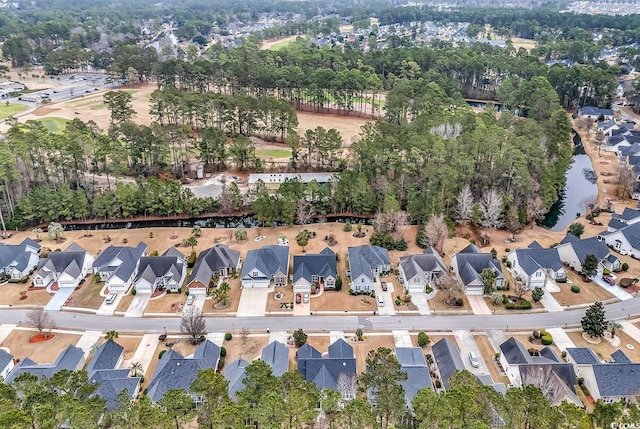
(54,124)
(280,45)
(273,153)
(11,109)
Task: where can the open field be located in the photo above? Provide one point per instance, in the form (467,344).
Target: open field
(273,153)
(11,109)
(10,295)
(44,352)
(54,124)
(277,44)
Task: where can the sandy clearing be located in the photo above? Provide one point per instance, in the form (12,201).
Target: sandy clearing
(267,44)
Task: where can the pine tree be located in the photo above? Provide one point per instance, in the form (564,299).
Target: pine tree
(594,322)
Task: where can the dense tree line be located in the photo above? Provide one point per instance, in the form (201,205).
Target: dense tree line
(289,401)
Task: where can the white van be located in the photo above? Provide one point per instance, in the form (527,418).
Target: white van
(380,301)
(111,298)
(191,299)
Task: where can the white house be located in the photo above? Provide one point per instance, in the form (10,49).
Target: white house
(319,269)
(595,112)
(469,263)
(67,268)
(118,266)
(625,241)
(168,271)
(266,266)
(418,271)
(365,264)
(6,364)
(18,260)
(536,265)
(573,251)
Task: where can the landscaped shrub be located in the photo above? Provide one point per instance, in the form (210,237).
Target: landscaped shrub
(508,264)
(536,334)
(423,339)
(524,305)
(510,306)
(564,354)
(625,266)
(154,253)
(228,336)
(151,234)
(546,340)
(191,260)
(606,272)
(348,227)
(339,283)
(24,279)
(134,291)
(397,301)
(161,353)
(563,280)
(223,352)
(125,241)
(299,338)
(575,289)
(428,290)
(531,338)
(507,250)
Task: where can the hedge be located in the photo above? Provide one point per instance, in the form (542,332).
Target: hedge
(575,289)
(524,305)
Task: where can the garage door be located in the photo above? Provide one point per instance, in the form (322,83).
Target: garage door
(475,290)
(197,291)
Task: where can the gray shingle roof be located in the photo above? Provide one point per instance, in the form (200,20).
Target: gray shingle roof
(590,246)
(448,359)
(620,357)
(269,260)
(174,371)
(5,359)
(324,372)
(531,260)
(583,356)
(322,264)
(235,374)
(211,261)
(429,261)
(340,349)
(70,261)
(470,266)
(632,234)
(627,214)
(106,356)
(153,267)
(113,385)
(17,253)
(68,359)
(621,379)
(276,355)
(364,259)
(563,387)
(129,257)
(514,352)
(413,363)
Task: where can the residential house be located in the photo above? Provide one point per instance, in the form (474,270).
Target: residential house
(266,266)
(625,241)
(419,271)
(19,260)
(319,269)
(607,127)
(595,112)
(118,266)
(175,371)
(447,359)
(469,263)
(71,358)
(340,361)
(276,355)
(273,181)
(618,380)
(67,268)
(546,370)
(365,264)
(622,220)
(620,357)
(104,370)
(235,373)
(573,251)
(167,271)
(535,265)
(581,357)
(6,363)
(411,360)
(217,262)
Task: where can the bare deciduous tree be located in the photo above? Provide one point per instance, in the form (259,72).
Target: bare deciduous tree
(304,211)
(625,182)
(347,385)
(391,223)
(491,208)
(452,287)
(193,324)
(535,210)
(40,320)
(588,204)
(520,288)
(435,232)
(464,207)
(546,380)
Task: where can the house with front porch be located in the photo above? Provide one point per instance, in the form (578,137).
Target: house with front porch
(67,268)
(573,251)
(469,263)
(118,266)
(213,264)
(19,260)
(319,269)
(625,241)
(536,265)
(366,263)
(167,271)
(266,266)
(418,271)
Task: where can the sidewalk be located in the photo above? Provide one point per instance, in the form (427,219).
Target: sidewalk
(5,330)
(630,329)
(561,339)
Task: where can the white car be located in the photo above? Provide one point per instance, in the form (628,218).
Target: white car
(111,298)
(474,360)
(191,299)
(258,239)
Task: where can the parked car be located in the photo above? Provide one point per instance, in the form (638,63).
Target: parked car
(609,280)
(111,298)
(474,360)
(298,298)
(384,286)
(191,299)
(305,298)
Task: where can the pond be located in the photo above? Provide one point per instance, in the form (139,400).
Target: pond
(581,184)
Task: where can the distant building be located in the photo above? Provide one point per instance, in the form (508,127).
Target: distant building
(274,180)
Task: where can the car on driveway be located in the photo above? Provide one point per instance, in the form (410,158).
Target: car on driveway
(305,298)
(473,359)
(298,298)
(191,299)
(609,280)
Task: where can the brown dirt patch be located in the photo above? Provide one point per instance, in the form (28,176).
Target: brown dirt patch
(87,295)
(168,303)
(44,111)
(589,292)
(124,303)
(488,354)
(604,349)
(41,338)
(42,352)
(437,303)
(234,297)
(10,294)
(349,127)
(342,301)
(370,342)
(248,349)
(288,297)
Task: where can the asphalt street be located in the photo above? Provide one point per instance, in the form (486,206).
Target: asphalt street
(82,321)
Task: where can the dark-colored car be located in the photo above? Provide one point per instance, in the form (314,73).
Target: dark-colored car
(609,280)
(384,286)
(298,298)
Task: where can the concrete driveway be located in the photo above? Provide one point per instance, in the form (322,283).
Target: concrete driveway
(386,309)
(57,301)
(138,304)
(478,304)
(108,309)
(253,302)
(466,344)
(144,354)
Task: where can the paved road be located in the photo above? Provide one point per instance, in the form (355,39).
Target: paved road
(616,311)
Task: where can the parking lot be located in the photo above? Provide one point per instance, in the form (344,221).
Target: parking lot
(67,87)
